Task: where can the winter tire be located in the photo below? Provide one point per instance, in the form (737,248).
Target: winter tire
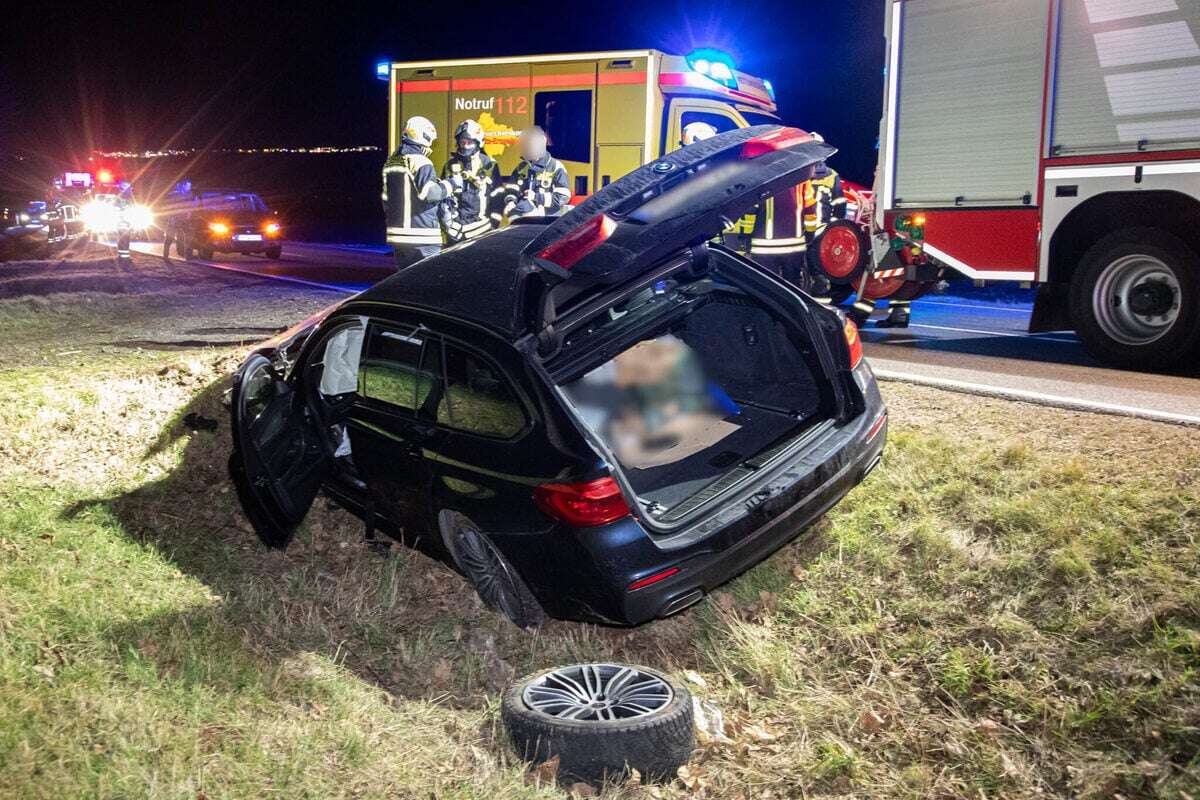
(495,580)
(600,720)
(1135,299)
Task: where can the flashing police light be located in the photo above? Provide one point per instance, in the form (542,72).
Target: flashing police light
(714,64)
(383,70)
(770,90)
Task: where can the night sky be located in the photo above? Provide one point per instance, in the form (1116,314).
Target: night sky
(130,75)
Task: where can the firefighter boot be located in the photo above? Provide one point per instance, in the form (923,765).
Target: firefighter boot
(898,316)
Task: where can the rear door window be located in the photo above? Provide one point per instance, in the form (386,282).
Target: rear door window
(397,369)
(478,398)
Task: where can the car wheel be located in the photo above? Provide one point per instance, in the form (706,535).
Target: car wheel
(274,252)
(1135,299)
(482,563)
(600,720)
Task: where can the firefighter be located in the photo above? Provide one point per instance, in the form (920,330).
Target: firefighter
(174,211)
(479,171)
(778,241)
(412,193)
(540,185)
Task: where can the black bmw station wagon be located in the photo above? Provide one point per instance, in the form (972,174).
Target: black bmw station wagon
(601,417)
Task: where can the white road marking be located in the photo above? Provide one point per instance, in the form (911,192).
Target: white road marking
(1036,337)
(1040,398)
(201,262)
(967,305)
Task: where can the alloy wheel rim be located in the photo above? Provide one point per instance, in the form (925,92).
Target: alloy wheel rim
(478,557)
(597,693)
(1136,299)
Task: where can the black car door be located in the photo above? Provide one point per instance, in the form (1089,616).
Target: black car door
(391,422)
(279,461)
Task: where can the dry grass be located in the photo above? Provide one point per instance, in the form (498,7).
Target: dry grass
(1013,614)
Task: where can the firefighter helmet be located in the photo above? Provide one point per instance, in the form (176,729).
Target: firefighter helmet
(697,132)
(471,130)
(420,131)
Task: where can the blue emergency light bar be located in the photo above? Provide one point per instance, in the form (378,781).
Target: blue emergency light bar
(770,90)
(383,70)
(714,64)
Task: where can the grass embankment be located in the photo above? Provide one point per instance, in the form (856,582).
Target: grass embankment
(1007,616)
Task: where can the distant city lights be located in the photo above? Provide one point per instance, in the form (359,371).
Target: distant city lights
(190,151)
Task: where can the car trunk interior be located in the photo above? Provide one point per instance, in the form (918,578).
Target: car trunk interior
(703,385)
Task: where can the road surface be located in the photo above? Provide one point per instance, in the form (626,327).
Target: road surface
(968,340)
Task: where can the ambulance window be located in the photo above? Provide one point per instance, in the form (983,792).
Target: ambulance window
(566,117)
(719,121)
(761,119)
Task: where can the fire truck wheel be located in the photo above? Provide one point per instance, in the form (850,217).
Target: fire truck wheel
(912,290)
(840,252)
(1135,299)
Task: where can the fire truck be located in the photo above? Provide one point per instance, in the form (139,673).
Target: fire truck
(1053,142)
(605,114)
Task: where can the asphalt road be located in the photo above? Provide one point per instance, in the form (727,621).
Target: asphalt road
(966,340)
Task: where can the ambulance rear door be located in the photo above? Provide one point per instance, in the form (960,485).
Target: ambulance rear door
(563,104)
(626,112)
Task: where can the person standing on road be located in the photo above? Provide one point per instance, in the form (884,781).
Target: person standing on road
(479,173)
(540,185)
(174,211)
(412,193)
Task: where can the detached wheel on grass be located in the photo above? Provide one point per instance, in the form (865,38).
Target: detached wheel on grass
(1135,299)
(600,720)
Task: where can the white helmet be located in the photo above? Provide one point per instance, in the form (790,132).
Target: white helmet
(420,131)
(469,129)
(697,132)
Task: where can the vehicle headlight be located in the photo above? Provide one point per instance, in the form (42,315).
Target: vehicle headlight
(272,228)
(22,218)
(100,217)
(139,217)
(219,228)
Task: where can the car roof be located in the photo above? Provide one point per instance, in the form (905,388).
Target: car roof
(476,281)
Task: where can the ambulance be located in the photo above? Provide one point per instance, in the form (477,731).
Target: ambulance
(605,114)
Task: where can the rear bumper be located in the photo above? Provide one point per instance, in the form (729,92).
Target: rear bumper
(586,574)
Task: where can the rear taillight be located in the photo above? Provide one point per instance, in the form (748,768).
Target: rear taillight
(853,341)
(779,139)
(583,505)
(578,243)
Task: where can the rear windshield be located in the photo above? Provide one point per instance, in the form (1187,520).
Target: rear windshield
(232,201)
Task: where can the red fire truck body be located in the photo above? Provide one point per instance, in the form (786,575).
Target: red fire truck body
(1055,142)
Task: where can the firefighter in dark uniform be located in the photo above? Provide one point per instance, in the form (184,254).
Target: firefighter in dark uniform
(540,185)
(174,210)
(412,193)
(778,241)
(465,214)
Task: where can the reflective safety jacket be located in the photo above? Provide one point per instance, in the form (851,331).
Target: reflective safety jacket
(412,193)
(480,174)
(535,189)
(822,200)
(778,227)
